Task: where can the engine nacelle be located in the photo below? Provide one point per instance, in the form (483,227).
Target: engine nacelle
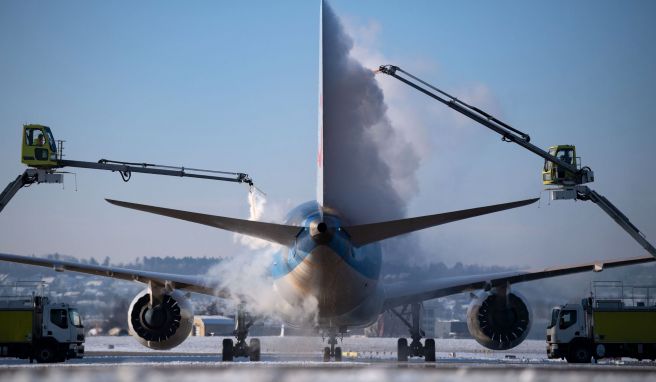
(162,326)
(497,321)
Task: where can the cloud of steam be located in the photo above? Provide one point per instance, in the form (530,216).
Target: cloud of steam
(434,133)
(429,127)
(370,167)
(257,203)
(247,275)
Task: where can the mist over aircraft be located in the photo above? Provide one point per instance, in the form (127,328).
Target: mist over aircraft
(326,274)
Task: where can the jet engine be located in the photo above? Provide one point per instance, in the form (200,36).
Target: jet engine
(499,321)
(162,326)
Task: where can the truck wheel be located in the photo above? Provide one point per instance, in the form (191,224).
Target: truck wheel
(45,355)
(579,353)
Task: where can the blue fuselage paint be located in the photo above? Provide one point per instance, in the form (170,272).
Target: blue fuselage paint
(325,267)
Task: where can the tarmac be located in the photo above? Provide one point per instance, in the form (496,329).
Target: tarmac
(111,359)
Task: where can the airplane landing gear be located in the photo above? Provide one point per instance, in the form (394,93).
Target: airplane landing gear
(334,352)
(241,349)
(415,349)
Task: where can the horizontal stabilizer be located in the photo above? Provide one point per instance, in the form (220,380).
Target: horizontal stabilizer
(370,233)
(275,233)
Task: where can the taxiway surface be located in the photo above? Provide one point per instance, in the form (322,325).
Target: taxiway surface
(298,358)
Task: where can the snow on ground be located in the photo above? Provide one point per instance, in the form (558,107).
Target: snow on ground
(299,359)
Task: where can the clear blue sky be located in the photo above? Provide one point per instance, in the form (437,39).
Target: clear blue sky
(233,86)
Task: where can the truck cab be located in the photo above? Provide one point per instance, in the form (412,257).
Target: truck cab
(552,174)
(62,325)
(39,149)
(567,333)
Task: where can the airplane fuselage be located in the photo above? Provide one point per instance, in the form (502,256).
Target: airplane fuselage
(324,268)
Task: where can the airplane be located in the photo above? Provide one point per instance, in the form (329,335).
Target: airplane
(336,264)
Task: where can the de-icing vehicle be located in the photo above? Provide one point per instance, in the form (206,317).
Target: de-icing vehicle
(615,325)
(35,328)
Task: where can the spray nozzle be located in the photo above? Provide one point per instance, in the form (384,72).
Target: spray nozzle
(387,69)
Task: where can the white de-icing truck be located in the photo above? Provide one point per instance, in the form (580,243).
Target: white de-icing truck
(623,326)
(32,327)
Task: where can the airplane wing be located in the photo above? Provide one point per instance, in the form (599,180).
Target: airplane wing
(189,283)
(402,293)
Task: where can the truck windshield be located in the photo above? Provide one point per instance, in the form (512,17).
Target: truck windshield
(75,318)
(567,319)
(554,318)
(566,155)
(51,141)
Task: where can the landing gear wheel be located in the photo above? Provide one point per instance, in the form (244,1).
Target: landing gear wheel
(45,355)
(326,354)
(429,350)
(402,350)
(579,353)
(227,354)
(338,354)
(254,348)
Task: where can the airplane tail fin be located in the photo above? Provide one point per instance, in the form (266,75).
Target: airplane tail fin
(320,114)
(370,233)
(275,233)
